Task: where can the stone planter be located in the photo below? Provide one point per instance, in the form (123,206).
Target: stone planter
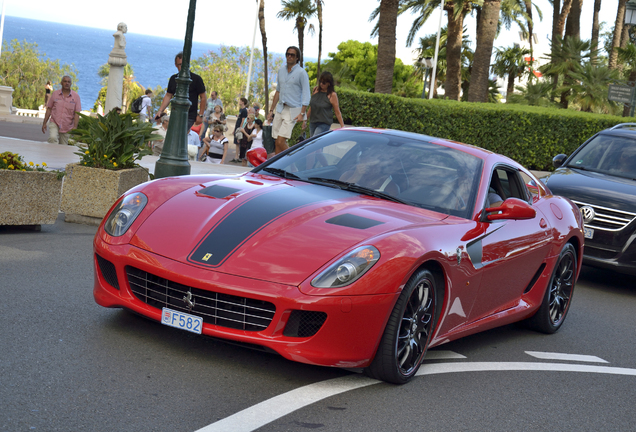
(29,197)
(88,193)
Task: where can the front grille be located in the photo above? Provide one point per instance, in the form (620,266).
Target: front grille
(304,323)
(215,308)
(607,219)
(108,271)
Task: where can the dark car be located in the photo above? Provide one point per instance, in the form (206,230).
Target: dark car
(600,177)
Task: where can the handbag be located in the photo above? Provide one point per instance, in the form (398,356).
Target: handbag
(238,135)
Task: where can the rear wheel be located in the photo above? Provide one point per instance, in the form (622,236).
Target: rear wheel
(558,296)
(407,332)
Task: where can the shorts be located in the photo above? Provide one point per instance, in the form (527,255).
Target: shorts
(55,137)
(283,124)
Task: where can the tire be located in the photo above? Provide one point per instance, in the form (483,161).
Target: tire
(407,333)
(558,295)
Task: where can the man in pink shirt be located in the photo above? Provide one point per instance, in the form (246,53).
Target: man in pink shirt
(63,109)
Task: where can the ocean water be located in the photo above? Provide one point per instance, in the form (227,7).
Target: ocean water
(86,48)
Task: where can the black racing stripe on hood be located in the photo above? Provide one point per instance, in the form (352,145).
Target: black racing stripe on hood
(353,221)
(252,216)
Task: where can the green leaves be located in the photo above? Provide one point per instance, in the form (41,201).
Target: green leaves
(113,141)
(26,70)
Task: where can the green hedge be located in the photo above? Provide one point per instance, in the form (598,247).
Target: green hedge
(530,135)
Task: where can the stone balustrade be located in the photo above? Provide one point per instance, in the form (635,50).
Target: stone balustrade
(30,113)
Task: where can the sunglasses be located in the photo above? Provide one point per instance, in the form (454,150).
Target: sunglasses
(290,54)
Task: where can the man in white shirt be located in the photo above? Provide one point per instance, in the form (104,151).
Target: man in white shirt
(291,98)
(146,102)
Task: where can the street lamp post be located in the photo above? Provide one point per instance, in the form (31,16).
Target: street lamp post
(174,156)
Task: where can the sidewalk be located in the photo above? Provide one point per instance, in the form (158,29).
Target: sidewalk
(58,156)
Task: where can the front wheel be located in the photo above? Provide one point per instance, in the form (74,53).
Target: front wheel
(407,332)
(558,296)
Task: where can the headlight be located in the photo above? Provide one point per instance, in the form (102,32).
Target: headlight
(125,213)
(348,269)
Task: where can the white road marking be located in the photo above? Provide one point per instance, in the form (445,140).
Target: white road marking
(442,355)
(566,357)
(440,368)
(272,409)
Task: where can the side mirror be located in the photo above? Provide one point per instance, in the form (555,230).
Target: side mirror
(512,208)
(558,160)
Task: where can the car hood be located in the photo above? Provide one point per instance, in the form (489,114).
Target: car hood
(269,229)
(594,188)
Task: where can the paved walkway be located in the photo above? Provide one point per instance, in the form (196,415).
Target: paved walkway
(58,156)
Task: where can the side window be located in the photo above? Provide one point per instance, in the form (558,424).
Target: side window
(507,183)
(530,185)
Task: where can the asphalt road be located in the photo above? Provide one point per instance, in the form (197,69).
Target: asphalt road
(31,131)
(68,364)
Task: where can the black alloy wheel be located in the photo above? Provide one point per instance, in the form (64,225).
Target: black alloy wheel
(558,296)
(407,333)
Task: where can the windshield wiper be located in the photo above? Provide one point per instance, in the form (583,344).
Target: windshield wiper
(281,173)
(353,187)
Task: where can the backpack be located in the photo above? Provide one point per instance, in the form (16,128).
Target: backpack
(136,105)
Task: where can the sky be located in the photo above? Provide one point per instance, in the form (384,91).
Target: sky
(232,22)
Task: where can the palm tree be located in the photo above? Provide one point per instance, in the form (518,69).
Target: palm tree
(510,62)
(567,57)
(534,94)
(300,11)
(455,10)
(589,90)
(319,4)
(573,23)
(618,30)
(427,49)
(627,57)
(261,20)
(486,32)
(386,45)
(595,24)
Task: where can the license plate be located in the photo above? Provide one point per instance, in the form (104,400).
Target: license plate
(181,320)
(588,233)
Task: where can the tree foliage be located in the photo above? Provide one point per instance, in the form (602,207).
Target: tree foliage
(354,66)
(225,72)
(26,70)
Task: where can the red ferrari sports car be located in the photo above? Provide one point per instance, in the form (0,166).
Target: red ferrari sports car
(358,248)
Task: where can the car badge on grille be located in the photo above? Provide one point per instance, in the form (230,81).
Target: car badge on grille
(189,301)
(588,214)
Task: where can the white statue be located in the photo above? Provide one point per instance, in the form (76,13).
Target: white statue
(117,56)
(117,61)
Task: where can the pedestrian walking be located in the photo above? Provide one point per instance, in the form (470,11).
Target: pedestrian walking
(146,102)
(240,121)
(291,98)
(322,106)
(196,92)
(63,110)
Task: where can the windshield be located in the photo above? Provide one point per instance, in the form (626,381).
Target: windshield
(404,169)
(615,155)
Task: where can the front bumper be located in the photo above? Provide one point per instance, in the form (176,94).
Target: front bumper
(348,337)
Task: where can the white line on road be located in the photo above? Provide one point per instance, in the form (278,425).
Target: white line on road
(566,357)
(272,409)
(443,355)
